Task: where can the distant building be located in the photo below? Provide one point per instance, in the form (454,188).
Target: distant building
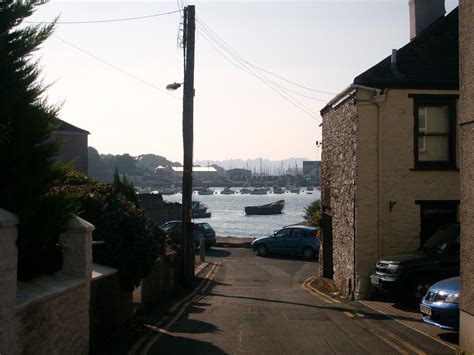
(73,145)
(199,172)
(390,156)
(312,171)
(239,174)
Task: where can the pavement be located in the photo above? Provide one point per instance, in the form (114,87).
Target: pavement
(245,304)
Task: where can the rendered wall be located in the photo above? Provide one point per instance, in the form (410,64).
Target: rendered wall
(466,118)
(73,149)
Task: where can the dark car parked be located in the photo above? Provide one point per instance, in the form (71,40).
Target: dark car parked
(440,306)
(410,275)
(199,229)
(296,240)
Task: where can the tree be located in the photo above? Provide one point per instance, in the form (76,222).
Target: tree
(28,168)
(312,213)
(125,188)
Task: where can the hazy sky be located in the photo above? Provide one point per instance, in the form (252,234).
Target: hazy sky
(319,44)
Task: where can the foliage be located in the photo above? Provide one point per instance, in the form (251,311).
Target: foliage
(312,213)
(124,187)
(132,240)
(26,150)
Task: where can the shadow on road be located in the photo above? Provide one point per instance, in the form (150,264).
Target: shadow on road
(193,326)
(170,344)
(217,253)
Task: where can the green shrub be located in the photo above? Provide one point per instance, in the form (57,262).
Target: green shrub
(27,153)
(132,240)
(312,213)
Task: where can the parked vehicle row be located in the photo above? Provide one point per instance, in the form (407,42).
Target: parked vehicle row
(199,229)
(429,275)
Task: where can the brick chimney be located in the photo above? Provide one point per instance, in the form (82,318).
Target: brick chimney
(423,13)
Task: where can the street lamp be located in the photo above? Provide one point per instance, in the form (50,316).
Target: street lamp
(174,86)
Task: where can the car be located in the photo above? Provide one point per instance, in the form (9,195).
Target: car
(199,229)
(295,240)
(410,275)
(440,306)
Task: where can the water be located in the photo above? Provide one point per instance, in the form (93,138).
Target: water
(229,219)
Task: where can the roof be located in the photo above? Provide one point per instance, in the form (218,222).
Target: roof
(429,61)
(196,169)
(67,127)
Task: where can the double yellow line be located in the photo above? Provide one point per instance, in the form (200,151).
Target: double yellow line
(307,286)
(181,307)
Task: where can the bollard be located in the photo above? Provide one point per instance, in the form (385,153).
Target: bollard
(202,248)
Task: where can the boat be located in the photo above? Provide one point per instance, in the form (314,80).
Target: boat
(167,191)
(278,190)
(270,208)
(206,191)
(309,188)
(227,191)
(259,191)
(295,190)
(199,210)
(244,191)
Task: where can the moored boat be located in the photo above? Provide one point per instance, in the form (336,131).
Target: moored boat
(270,208)
(206,191)
(278,190)
(259,191)
(227,191)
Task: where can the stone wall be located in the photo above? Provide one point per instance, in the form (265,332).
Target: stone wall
(162,281)
(47,315)
(110,306)
(159,210)
(466,118)
(338,179)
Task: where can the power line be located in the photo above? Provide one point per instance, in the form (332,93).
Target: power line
(264,79)
(104,21)
(116,68)
(209,29)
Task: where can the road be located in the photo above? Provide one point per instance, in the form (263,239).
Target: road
(246,304)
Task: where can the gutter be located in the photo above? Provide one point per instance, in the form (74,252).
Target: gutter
(346,92)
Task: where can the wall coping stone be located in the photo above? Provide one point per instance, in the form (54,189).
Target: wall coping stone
(78,224)
(45,287)
(7,219)
(99,271)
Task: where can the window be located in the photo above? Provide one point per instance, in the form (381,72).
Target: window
(435,131)
(298,233)
(284,233)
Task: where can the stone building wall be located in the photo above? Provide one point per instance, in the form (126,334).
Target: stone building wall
(338,178)
(466,118)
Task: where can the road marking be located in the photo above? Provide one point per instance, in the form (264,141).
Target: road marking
(164,330)
(391,344)
(409,326)
(135,347)
(316,292)
(349,314)
(359,314)
(407,344)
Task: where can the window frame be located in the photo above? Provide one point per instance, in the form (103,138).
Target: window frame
(435,101)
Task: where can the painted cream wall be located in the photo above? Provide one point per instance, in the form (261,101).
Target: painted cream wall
(400,228)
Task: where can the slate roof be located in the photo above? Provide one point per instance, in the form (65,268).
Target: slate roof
(429,61)
(65,126)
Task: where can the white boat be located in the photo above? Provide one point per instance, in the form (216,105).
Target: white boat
(206,191)
(278,190)
(295,190)
(259,191)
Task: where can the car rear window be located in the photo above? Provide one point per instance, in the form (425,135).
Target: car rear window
(206,227)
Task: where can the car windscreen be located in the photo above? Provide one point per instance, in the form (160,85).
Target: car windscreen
(206,227)
(443,238)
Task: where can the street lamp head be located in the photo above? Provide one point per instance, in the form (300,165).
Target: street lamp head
(173,86)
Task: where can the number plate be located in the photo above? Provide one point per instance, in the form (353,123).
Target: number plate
(425,309)
(374,280)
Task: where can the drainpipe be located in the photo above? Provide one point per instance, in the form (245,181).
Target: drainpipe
(379,100)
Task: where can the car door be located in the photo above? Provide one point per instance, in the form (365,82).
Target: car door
(280,241)
(297,241)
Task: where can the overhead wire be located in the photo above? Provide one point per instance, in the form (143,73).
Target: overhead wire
(104,21)
(209,29)
(242,65)
(116,67)
(267,82)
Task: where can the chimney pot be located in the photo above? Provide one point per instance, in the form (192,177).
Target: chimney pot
(423,13)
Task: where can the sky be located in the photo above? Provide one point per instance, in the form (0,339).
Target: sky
(110,77)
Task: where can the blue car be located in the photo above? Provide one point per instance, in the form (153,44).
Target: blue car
(199,229)
(295,240)
(440,306)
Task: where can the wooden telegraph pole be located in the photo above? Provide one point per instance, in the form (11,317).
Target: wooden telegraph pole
(188,107)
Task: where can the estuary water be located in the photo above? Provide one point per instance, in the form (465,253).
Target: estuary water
(229,219)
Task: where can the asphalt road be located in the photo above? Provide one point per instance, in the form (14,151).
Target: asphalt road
(246,304)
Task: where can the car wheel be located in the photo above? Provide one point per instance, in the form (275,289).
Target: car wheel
(308,253)
(262,250)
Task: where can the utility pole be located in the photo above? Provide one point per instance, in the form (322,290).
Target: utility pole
(188,108)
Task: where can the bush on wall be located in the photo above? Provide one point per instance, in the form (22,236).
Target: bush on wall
(312,213)
(132,241)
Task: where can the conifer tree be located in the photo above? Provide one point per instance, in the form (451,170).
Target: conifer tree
(27,165)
